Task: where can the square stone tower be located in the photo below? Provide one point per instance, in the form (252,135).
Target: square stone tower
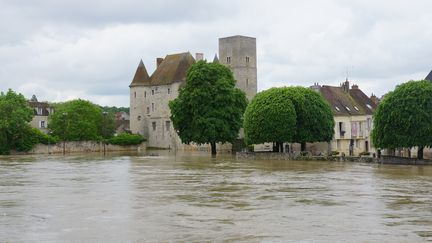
(239,54)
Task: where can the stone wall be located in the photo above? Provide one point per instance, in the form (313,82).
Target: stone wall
(83,146)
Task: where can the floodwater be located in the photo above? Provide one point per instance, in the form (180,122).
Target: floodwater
(194,198)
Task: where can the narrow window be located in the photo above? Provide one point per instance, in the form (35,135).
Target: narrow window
(42,124)
(169,91)
(247,82)
(153,107)
(154,126)
(145,94)
(152,91)
(247,59)
(228,60)
(148,110)
(167,125)
(134,94)
(139,118)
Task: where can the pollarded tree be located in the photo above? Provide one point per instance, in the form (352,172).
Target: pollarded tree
(315,121)
(270,117)
(403,119)
(209,108)
(79,120)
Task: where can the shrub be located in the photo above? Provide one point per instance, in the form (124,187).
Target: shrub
(126,139)
(334,153)
(364,154)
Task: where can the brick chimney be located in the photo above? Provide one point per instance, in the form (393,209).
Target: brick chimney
(199,56)
(159,60)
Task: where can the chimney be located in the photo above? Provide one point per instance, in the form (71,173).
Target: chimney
(354,86)
(316,87)
(159,60)
(199,56)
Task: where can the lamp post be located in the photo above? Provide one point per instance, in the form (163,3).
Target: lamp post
(104,130)
(64,114)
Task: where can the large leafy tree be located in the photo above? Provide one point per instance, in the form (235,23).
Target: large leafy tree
(270,117)
(315,121)
(15,115)
(209,108)
(288,114)
(79,120)
(403,119)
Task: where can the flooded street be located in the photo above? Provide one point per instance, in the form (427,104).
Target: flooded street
(196,198)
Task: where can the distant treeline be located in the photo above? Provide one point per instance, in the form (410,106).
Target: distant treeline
(114,109)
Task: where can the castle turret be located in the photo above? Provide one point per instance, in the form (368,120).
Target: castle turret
(137,95)
(239,54)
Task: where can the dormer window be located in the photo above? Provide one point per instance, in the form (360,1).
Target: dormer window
(369,106)
(337,108)
(355,107)
(348,109)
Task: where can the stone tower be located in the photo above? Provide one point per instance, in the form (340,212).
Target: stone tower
(239,54)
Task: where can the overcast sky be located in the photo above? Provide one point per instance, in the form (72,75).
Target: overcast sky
(61,50)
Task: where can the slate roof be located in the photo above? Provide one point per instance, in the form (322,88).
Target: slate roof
(351,103)
(43,105)
(172,69)
(141,76)
(429,77)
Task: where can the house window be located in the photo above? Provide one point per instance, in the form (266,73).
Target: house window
(228,60)
(145,94)
(154,126)
(134,94)
(341,129)
(169,91)
(139,118)
(148,110)
(42,124)
(153,107)
(152,91)
(167,125)
(39,111)
(247,59)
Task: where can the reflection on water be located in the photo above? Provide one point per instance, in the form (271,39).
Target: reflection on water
(197,198)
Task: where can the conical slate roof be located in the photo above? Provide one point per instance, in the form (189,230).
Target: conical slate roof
(141,76)
(215,59)
(429,77)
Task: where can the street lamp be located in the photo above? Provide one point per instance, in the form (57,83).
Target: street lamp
(64,114)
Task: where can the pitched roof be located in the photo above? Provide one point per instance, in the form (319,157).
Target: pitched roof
(141,76)
(172,69)
(353,102)
(429,77)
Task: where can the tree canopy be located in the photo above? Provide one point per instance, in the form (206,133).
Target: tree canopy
(288,114)
(209,108)
(79,120)
(403,119)
(15,115)
(270,117)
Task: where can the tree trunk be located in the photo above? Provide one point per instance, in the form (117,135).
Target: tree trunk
(281,147)
(303,146)
(420,152)
(213,148)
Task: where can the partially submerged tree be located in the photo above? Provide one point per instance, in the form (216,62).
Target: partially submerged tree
(209,108)
(315,121)
(15,115)
(79,120)
(270,117)
(288,114)
(403,119)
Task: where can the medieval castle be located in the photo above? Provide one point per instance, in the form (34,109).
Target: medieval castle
(149,95)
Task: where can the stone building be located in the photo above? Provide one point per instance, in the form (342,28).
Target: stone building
(352,111)
(149,95)
(41,112)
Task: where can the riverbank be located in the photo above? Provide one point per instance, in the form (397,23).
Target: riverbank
(81,147)
(366,159)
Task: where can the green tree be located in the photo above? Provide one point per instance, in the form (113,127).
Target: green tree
(209,109)
(288,114)
(403,119)
(15,115)
(315,121)
(270,117)
(79,120)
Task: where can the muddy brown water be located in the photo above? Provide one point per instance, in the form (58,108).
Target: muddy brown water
(195,198)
